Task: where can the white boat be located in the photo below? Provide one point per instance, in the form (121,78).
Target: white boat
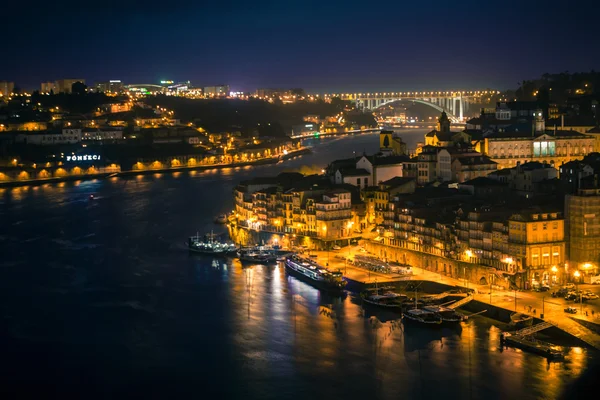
(315,274)
(210,245)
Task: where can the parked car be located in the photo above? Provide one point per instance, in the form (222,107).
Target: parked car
(571,310)
(570,286)
(336,247)
(571,296)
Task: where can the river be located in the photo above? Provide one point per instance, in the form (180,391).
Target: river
(100,299)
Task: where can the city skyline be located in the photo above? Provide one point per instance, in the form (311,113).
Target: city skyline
(320,47)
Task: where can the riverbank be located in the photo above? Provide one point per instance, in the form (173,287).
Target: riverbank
(497,306)
(102,175)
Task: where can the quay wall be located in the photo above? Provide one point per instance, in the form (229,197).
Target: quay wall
(12,177)
(457,269)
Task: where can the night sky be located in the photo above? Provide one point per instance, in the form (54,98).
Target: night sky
(318,45)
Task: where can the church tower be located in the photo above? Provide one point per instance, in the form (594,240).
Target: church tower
(443,124)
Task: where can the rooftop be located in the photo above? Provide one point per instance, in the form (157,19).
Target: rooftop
(387,160)
(482,181)
(470,160)
(397,181)
(354,172)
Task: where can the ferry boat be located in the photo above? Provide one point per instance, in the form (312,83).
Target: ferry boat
(447,314)
(258,257)
(315,274)
(520,320)
(210,245)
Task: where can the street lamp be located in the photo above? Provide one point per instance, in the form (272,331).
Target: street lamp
(576,274)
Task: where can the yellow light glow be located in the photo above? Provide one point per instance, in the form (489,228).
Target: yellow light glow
(576,274)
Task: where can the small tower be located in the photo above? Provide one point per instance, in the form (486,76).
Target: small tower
(443,124)
(540,123)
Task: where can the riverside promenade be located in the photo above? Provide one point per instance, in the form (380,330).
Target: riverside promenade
(118,172)
(585,327)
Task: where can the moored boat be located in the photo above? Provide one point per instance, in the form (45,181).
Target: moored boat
(388,300)
(447,314)
(422,316)
(258,257)
(317,275)
(210,245)
(520,320)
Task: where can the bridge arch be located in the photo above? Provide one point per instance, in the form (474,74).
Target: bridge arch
(451,116)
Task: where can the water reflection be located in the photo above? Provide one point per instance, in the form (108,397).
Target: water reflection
(111,286)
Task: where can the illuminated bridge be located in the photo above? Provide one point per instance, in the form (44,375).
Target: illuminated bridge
(454,103)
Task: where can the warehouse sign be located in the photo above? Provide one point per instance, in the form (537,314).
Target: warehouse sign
(83,157)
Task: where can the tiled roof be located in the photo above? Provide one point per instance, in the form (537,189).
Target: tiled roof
(482,181)
(354,172)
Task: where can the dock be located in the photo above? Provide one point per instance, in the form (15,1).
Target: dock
(532,329)
(533,345)
(460,302)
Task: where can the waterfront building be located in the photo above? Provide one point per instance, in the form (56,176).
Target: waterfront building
(6,88)
(582,215)
(102,134)
(47,87)
(110,87)
(23,126)
(297,206)
(216,91)
(66,136)
(537,242)
(65,85)
(526,247)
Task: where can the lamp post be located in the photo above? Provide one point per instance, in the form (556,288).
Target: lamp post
(325,243)
(490,289)
(576,274)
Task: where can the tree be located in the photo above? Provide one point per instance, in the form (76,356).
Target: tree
(386,141)
(78,88)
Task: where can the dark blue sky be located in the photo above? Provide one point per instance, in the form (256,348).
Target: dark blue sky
(318,45)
